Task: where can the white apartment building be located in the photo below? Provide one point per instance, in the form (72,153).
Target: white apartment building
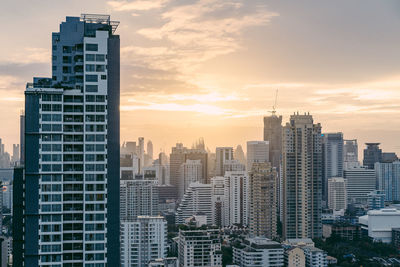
(254,252)
(236,191)
(143,240)
(315,257)
(337,193)
(222,155)
(199,248)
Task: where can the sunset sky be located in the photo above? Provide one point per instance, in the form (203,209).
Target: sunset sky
(210,68)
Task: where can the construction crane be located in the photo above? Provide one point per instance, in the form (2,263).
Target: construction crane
(273,111)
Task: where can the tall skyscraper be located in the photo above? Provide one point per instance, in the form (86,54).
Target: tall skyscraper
(22,138)
(388,179)
(191,171)
(238,154)
(72,150)
(141,152)
(273,135)
(302,178)
(350,154)
(218,200)
(176,159)
(372,154)
(143,240)
(236,186)
(257,152)
(332,159)
(360,182)
(263,200)
(222,155)
(150,149)
(337,193)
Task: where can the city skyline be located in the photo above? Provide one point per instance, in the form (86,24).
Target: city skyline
(220,84)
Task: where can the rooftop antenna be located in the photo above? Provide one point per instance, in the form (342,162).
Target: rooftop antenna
(273,111)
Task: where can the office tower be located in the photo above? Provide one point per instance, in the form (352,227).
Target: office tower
(257,152)
(176,159)
(202,155)
(302,178)
(197,200)
(236,186)
(263,200)
(199,248)
(337,193)
(372,154)
(376,200)
(15,155)
(211,164)
(258,252)
(22,138)
(222,155)
(360,182)
(234,165)
(141,152)
(138,197)
(389,157)
(388,179)
(72,139)
(143,240)
(350,154)
(238,154)
(150,149)
(218,200)
(273,135)
(332,159)
(191,171)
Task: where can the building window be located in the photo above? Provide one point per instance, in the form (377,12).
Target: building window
(91,88)
(92,47)
(92,78)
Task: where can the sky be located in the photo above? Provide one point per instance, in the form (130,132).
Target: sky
(211,68)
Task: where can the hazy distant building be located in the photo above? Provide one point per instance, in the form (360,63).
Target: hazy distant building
(238,154)
(234,165)
(372,154)
(388,179)
(337,193)
(360,182)
(332,159)
(350,154)
(263,200)
(15,155)
(202,155)
(141,152)
(191,171)
(197,199)
(302,178)
(150,149)
(389,157)
(176,159)
(236,186)
(257,152)
(223,154)
(273,135)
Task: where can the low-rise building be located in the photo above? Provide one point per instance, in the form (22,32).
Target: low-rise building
(315,257)
(300,242)
(294,257)
(164,262)
(254,252)
(379,224)
(396,237)
(343,230)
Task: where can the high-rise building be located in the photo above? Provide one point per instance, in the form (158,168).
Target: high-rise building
(236,186)
(191,171)
(302,178)
(234,165)
(199,248)
(389,157)
(258,252)
(15,156)
(257,152)
(72,138)
(238,154)
(218,200)
(176,159)
(337,193)
(143,240)
(360,182)
(372,154)
(138,197)
(332,159)
(223,154)
(150,149)
(196,200)
(199,154)
(141,152)
(22,138)
(273,135)
(263,200)
(388,179)
(350,154)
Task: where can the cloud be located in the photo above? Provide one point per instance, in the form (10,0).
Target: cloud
(139,5)
(30,55)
